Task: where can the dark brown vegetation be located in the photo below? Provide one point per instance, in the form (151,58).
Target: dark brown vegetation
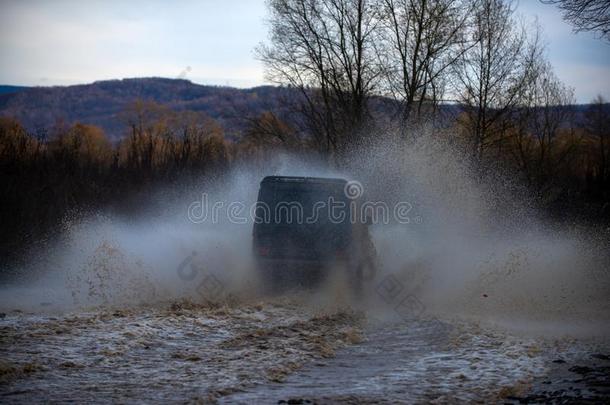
(76,167)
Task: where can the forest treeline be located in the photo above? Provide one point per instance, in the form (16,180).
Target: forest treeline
(77,167)
(101,103)
(359,67)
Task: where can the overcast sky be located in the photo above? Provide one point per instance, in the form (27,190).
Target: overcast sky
(211,42)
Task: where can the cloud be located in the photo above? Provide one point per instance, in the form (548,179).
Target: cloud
(73,42)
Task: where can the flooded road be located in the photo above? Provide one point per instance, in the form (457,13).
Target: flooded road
(182,352)
(420,361)
(267,352)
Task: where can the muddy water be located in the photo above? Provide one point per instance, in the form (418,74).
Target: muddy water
(417,361)
(265,352)
(183,352)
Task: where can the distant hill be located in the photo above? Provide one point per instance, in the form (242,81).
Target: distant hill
(4,89)
(100,103)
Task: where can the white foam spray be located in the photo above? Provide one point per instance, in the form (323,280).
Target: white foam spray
(471,249)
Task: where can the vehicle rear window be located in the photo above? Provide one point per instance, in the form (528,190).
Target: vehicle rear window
(298,213)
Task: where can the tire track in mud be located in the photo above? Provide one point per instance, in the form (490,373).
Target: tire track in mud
(423,361)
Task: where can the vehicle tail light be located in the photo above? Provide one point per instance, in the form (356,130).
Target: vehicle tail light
(264,250)
(341,254)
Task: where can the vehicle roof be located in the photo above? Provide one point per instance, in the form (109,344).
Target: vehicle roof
(298,179)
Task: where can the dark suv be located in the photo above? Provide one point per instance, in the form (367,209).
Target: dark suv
(302,230)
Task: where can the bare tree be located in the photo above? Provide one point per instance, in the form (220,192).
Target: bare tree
(597,126)
(491,76)
(586,15)
(545,114)
(269,130)
(162,141)
(324,49)
(421,39)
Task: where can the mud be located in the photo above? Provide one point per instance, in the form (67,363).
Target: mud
(419,361)
(176,352)
(584,379)
(286,351)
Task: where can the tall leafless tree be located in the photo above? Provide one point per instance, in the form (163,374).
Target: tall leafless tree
(324,49)
(586,15)
(420,40)
(598,128)
(491,76)
(545,111)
